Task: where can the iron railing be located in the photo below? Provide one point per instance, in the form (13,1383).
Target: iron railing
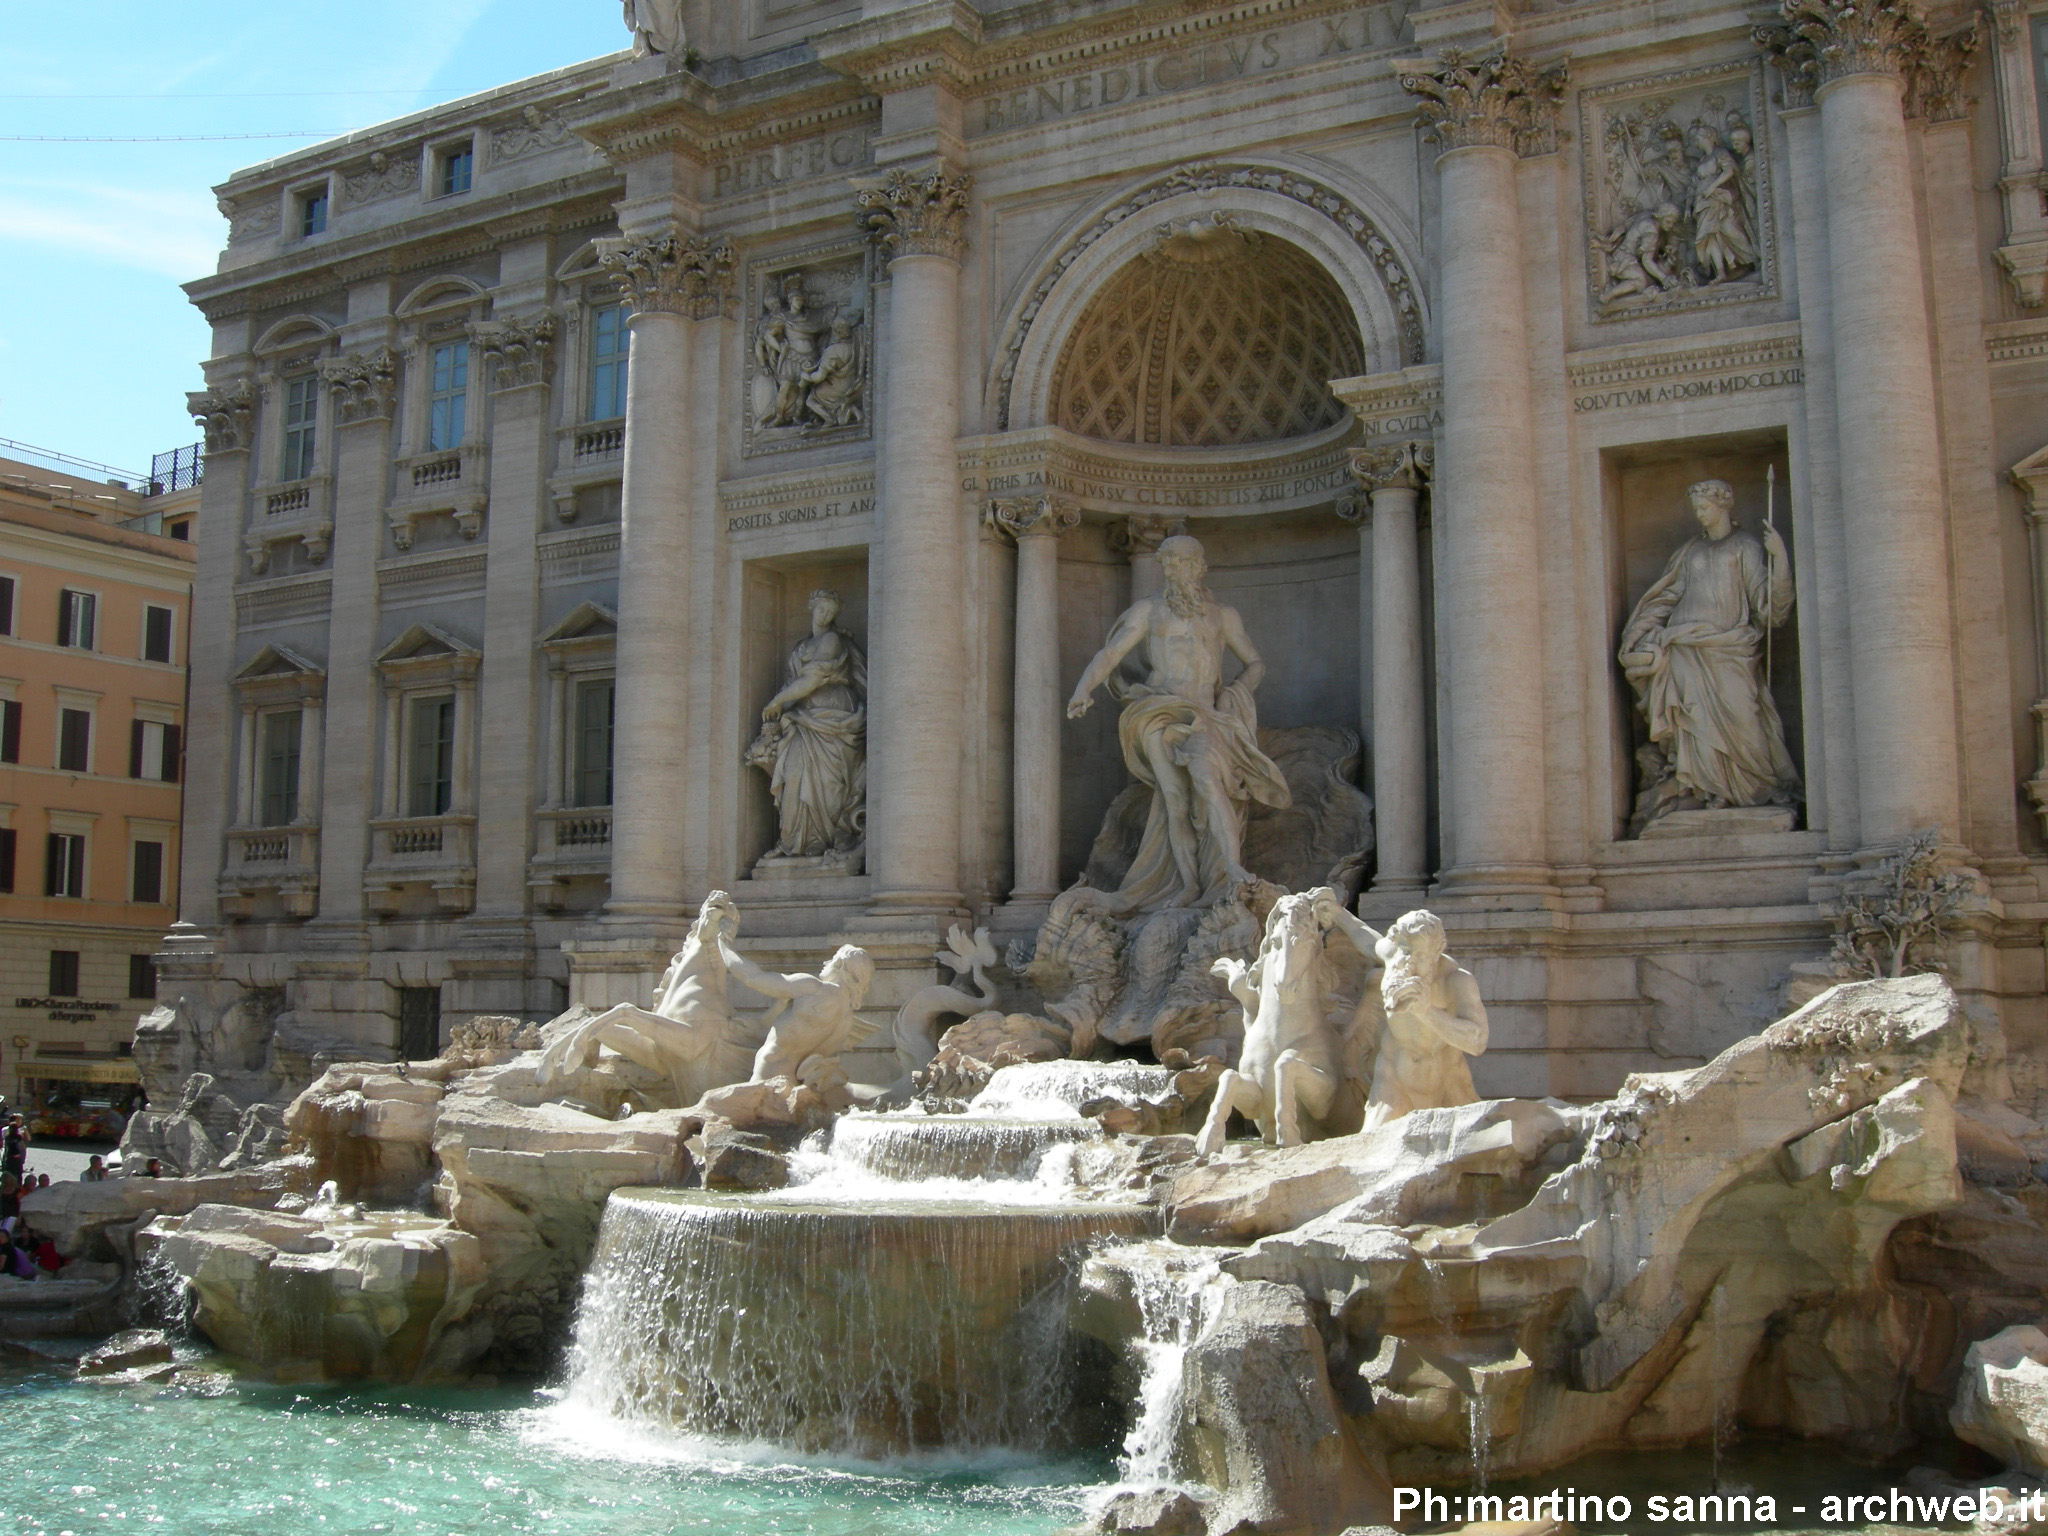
(178,470)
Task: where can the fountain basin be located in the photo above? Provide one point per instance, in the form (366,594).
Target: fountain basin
(900,1325)
(969,1146)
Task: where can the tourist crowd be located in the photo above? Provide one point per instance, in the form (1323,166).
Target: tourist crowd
(24,1252)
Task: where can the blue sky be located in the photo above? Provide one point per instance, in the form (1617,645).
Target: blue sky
(97,343)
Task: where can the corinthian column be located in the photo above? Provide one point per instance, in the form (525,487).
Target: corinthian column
(915,693)
(1893,509)
(226,415)
(1394,476)
(1036,523)
(671,281)
(1484,111)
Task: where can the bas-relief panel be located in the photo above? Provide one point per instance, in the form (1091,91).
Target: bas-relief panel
(1678,192)
(809,349)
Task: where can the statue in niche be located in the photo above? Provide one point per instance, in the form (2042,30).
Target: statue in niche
(1681,204)
(813,741)
(1187,736)
(1693,651)
(656,25)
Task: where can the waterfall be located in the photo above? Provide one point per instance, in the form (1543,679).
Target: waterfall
(874,1330)
(1175,1289)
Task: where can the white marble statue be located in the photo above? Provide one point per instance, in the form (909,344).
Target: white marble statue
(1721,235)
(1188,736)
(690,1035)
(917,1021)
(1435,1020)
(1693,650)
(656,25)
(1296,1060)
(834,385)
(811,1015)
(813,741)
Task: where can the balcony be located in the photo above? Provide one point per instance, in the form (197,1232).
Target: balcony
(293,512)
(591,453)
(572,843)
(452,482)
(436,854)
(267,866)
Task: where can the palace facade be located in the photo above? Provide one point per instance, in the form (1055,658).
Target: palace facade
(534,423)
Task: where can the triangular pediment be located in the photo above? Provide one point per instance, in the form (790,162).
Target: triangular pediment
(278,661)
(586,621)
(424,641)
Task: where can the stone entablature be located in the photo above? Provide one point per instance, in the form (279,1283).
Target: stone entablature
(1714,366)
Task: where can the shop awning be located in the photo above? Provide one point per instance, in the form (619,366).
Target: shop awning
(121,1071)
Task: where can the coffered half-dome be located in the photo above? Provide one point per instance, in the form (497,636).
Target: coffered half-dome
(1214,337)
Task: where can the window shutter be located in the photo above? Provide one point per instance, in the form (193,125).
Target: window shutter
(7,860)
(75,847)
(10,731)
(174,767)
(88,617)
(136,733)
(6,605)
(65,598)
(53,864)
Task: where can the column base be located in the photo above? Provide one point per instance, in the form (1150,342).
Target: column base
(925,906)
(1497,886)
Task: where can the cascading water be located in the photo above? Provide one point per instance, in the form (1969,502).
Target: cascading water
(1175,1293)
(910,1291)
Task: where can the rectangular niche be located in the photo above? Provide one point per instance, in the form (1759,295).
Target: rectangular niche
(809,349)
(1649,519)
(776,616)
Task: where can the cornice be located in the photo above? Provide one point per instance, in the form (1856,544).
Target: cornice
(557,207)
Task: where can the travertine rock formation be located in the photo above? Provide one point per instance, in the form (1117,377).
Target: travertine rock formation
(2002,1401)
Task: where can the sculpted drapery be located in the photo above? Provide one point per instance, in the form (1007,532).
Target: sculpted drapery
(1189,738)
(1693,650)
(813,741)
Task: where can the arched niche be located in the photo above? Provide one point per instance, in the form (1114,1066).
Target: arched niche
(1341,233)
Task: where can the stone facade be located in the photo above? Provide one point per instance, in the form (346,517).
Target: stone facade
(956,312)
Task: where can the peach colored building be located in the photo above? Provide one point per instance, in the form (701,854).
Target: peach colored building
(93,625)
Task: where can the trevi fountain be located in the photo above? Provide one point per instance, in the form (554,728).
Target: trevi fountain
(1291,796)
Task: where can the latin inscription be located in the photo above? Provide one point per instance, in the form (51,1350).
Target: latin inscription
(1209,63)
(1691,389)
(824,155)
(814,512)
(1423,424)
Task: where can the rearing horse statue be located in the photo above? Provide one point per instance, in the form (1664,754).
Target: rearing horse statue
(1295,1060)
(690,1035)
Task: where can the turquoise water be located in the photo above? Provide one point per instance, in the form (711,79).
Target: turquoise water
(234,1460)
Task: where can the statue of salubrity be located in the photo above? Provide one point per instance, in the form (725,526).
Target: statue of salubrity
(1694,650)
(657,27)
(1193,740)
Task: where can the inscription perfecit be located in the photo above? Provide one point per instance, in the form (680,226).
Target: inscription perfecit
(821,155)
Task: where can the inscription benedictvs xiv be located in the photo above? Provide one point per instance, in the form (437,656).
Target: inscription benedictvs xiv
(1206,63)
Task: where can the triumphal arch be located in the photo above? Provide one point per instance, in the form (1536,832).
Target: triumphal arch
(1613,432)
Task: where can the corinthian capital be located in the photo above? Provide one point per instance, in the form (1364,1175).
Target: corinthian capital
(1033,517)
(1497,99)
(917,213)
(1393,466)
(224,416)
(1934,80)
(365,385)
(1849,37)
(672,274)
(524,350)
